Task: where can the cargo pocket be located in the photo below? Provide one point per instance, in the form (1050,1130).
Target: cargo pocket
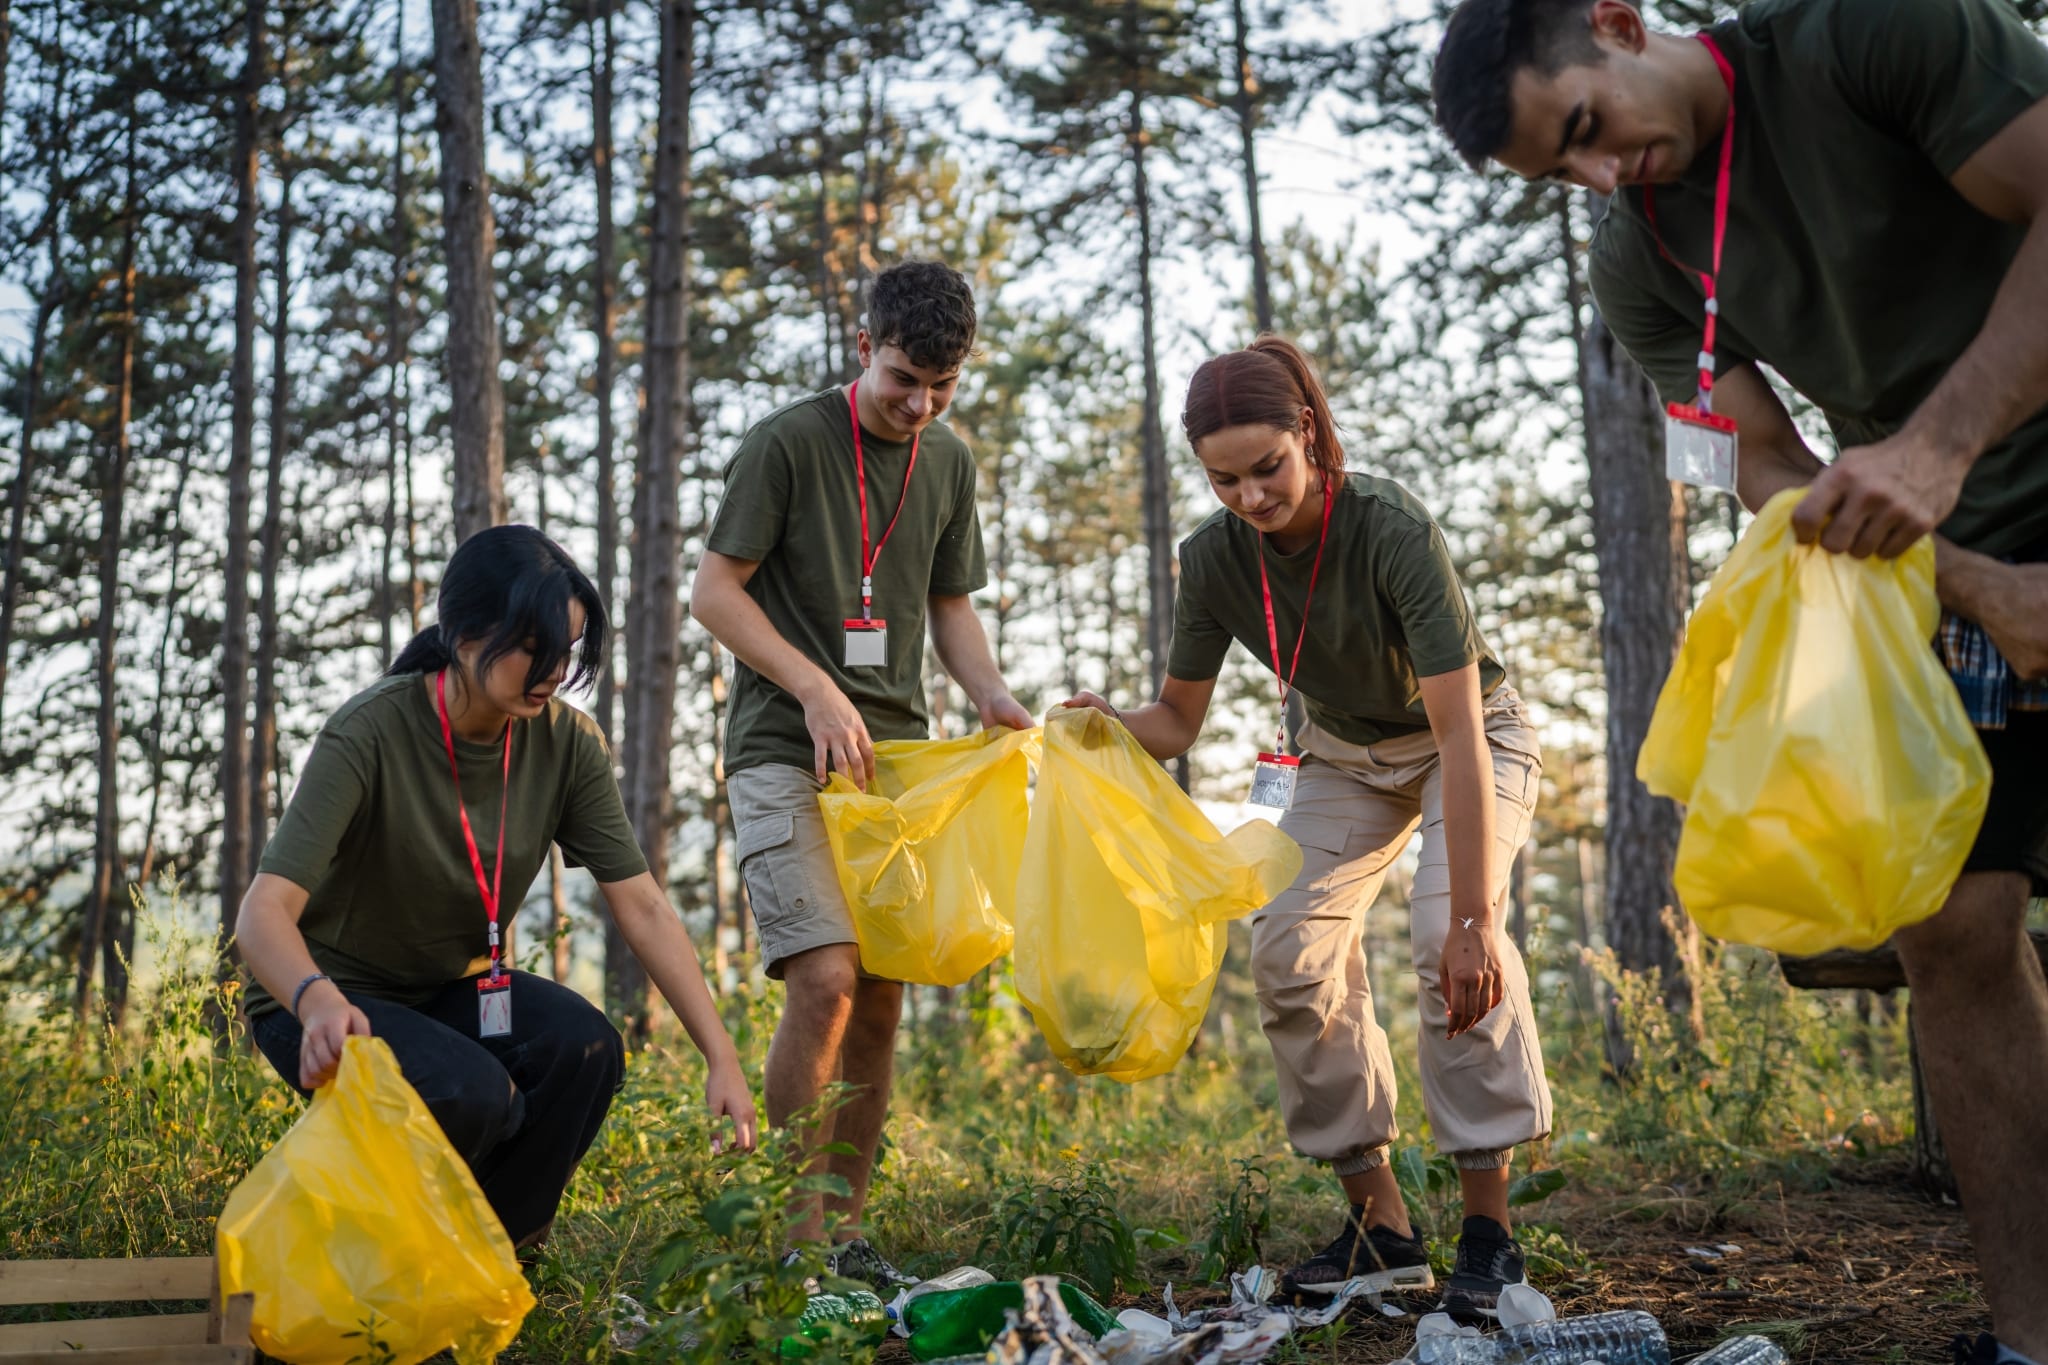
(778,884)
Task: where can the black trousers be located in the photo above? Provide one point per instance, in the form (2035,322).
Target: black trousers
(521,1109)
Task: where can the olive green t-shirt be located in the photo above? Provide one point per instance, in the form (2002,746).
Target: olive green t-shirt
(1851,266)
(373,836)
(791,504)
(1388,609)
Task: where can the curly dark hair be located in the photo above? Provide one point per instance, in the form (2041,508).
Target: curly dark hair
(927,309)
(1485,44)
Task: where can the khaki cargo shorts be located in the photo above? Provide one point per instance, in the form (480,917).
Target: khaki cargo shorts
(786,860)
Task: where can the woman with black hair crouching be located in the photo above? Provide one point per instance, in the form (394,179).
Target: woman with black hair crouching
(423,813)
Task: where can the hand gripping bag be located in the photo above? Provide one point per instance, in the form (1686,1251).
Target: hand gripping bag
(363,1223)
(1125,898)
(928,857)
(1832,781)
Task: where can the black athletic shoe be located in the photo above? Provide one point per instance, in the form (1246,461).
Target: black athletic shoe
(1384,1259)
(1985,1350)
(858,1260)
(1489,1260)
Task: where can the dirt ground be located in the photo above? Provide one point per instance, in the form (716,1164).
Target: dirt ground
(1865,1272)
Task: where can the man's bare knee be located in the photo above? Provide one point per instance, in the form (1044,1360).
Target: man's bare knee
(823,981)
(1978,931)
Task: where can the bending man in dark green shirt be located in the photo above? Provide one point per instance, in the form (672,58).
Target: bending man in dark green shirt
(429,797)
(1886,252)
(1410,723)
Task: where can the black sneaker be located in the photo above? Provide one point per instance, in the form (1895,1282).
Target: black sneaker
(1985,1350)
(1489,1260)
(858,1260)
(1383,1258)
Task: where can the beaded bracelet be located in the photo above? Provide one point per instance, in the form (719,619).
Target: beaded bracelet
(300,993)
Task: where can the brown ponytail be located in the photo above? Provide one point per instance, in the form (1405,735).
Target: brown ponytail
(1266,384)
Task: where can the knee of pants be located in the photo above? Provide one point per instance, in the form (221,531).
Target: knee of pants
(1293,1006)
(589,1047)
(477,1109)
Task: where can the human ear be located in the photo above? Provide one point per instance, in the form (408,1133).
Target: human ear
(1619,25)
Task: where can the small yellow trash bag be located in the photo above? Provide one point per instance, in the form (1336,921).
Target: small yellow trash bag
(362,1222)
(1125,898)
(1832,782)
(928,857)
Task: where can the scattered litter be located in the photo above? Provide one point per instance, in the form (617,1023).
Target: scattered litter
(1715,1252)
(629,1322)
(1521,1305)
(1744,1351)
(1627,1338)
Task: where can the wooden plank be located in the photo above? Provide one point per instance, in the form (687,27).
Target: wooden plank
(233,1325)
(1876,970)
(157,1329)
(140,1355)
(159,1277)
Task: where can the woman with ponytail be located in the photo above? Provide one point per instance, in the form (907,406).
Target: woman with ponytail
(423,813)
(1341,584)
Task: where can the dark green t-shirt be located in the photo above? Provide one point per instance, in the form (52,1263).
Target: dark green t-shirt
(1852,267)
(1388,609)
(373,835)
(791,504)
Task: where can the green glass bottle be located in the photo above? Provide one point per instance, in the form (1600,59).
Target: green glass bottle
(958,1322)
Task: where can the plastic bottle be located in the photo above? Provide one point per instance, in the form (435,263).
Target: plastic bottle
(1744,1351)
(860,1311)
(966,1277)
(952,1322)
(1613,1338)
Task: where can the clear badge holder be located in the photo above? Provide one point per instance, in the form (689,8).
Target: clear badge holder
(867,644)
(1699,447)
(1273,781)
(493,1005)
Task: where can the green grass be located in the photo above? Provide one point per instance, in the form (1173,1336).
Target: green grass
(127,1142)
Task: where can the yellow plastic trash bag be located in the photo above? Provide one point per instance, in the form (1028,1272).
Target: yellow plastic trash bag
(362,1222)
(1125,898)
(1832,781)
(928,857)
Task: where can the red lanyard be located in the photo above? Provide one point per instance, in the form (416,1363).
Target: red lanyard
(489,891)
(1273,631)
(1708,278)
(860,478)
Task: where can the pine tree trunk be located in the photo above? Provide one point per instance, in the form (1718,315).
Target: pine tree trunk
(395,342)
(1640,551)
(1158,496)
(607,272)
(109,920)
(6,35)
(724,901)
(234,631)
(477,399)
(263,736)
(655,622)
(173,603)
(558,917)
(1247,134)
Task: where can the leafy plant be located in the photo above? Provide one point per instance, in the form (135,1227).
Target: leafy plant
(1069,1227)
(729,1281)
(1243,1218)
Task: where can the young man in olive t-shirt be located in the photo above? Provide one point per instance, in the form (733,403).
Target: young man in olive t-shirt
(822,594)
(1884,196)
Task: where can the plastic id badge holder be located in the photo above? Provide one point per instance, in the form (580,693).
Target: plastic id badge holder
(493,1005)
(867,644)
(1273,781)
(1699,447)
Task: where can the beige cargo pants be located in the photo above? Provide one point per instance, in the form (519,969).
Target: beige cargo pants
(1355,807)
